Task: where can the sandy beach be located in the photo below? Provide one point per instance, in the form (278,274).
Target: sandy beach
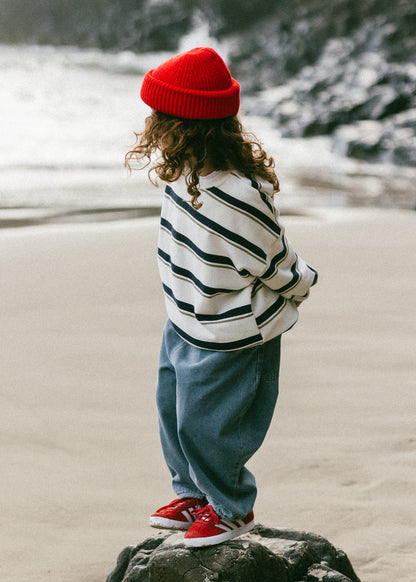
(81,319)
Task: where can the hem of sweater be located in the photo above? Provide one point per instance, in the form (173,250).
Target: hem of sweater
(229,346)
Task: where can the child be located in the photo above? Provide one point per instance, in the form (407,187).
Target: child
(232,284)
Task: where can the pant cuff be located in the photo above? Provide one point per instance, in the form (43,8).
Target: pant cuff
(181,493)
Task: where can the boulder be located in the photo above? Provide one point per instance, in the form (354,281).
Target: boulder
(391,141)
(264,554)
(362,140)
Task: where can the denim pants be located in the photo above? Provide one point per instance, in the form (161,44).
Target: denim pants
(214,410)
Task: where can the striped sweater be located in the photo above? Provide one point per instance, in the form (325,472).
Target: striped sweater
(229,274)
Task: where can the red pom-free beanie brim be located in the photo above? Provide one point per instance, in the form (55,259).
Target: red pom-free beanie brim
(189,103)
(193,85)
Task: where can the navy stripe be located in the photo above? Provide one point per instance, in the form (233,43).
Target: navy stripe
(276,260)
(230,314)
(189,308)
(248,208)
(266,200)
(226,346)
(257,283)
(270,311)
(315,279)
(208,257)
(187,274)
(264,196)
(184,306)
(292,282)
(214,226)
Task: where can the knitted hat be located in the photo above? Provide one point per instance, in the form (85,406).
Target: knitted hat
(192,85)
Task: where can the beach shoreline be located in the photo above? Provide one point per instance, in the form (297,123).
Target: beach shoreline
(71,196)
(82,317)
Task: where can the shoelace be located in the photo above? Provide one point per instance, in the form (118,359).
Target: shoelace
(176,503)
(206,514)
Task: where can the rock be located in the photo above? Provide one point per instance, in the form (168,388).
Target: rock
(321,573)
(264,554)
(381,102)
(353,93)
(392,141)
(361,140)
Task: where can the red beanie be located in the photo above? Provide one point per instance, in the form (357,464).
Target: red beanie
(193,85)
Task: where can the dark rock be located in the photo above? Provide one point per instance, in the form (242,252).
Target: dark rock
(299,555)
(235,561)
(404,156)
(317,546)
(381,102)
(265,554)
(321,573)
(352,81)
(133,560)
(122,563)
(362,140)
(341,563)
(392,141)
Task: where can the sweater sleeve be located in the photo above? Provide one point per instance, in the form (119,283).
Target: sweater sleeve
(286,272)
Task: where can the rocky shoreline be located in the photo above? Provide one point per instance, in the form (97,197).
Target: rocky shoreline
(345,69)
(352,93)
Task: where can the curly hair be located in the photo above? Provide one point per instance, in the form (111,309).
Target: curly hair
(185,146)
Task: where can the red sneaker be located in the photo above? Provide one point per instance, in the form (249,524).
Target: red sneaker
(177,514)
(209,528)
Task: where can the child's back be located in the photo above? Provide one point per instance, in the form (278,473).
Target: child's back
(232,285)
(229,274)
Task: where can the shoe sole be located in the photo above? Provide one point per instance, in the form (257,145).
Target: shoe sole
(218,539)
(165,523)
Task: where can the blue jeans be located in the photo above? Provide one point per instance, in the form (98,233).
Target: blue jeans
(214,411)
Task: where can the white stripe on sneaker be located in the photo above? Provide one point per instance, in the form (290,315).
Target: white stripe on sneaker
(231,524)
(187,516)
(225,527)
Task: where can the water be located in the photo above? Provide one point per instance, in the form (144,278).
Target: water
(68,117)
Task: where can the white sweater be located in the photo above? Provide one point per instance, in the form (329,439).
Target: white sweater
(229,274)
